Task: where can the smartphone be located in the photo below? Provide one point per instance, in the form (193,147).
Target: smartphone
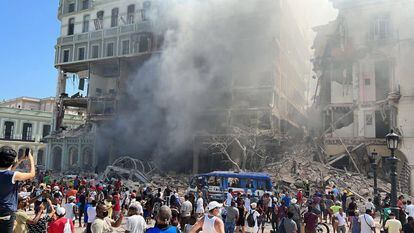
(26,153)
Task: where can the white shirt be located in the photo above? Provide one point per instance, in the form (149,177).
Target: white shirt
(135,224)
(366,223)
(200,206)
(341,219)
(247,203)
(91,211)
(410,210)
(229,198)
(69,210)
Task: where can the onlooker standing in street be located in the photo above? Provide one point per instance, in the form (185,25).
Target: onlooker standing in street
(409,209)
(393,225)
(90,214)
(71,209)
(367,222)
(231,217)
(9,185)
(409,226)
(135,223)
(200,205)
(341,217)
(185,212)
(288,225)
(103,223)
(295,209)
(60,222)
(311,221)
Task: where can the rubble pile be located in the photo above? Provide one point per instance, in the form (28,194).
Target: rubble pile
(298,166)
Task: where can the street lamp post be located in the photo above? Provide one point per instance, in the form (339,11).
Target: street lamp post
(392,144)
(373,158)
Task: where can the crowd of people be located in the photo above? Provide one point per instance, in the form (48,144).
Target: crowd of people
(102,206)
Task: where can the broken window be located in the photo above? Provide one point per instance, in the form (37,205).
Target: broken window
(8,130)
(46,130)
(81,53)
(95,51)
(114,17)
(125,47)
(85,25)
(380,27)
(99,20)
(71,26)
(27,132)
(143,44)
(66,55)
(110,49)
(130,14)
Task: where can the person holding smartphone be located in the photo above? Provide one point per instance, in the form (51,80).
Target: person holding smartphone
(9,179)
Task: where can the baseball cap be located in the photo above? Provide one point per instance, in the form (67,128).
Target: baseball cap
(253,205)
(214,204)
(60,211)
(294,201)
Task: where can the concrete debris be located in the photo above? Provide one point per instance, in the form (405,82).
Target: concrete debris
(297,167)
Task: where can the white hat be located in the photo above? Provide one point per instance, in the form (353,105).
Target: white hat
(56,188)
(293,201)
(60,211)
(253,205)
(274,199)
(214,204)
(72,198)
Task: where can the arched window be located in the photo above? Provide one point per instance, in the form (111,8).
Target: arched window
(114,17)
(131,14)
(71,26)
(40,157)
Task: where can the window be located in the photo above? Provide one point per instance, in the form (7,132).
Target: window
(380,27)
(71,26)
(66,55)
(8,130)
(109,49)
(143,44)
(81,53)
(125,47)
(46,130)
(40,157)
(114,17)
(85,25)
(130,14)
(85,4)
(95,51)
(145,8)
(368,119)
(27,132)
(71,7)
(367,82)
(99,20)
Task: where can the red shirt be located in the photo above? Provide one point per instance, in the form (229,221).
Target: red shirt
(311,220)
(300,197)
(117,206)
(58,226)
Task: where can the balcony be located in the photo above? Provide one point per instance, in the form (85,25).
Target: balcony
(94,44)
(17,139)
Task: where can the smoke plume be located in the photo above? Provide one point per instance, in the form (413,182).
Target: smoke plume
(208,47)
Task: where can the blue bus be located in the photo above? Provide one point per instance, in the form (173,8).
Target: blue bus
(218,183)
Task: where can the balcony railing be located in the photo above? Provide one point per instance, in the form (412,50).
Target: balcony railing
(143,26)
(16,138)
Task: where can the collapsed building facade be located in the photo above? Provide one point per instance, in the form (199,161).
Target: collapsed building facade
(363,66)
(108,47)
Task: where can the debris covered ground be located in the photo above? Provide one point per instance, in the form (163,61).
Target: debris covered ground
(298,166)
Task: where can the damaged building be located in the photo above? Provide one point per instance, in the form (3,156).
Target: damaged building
(364,84)
(232,92)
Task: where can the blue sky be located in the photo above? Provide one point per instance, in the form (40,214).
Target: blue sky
(28,35)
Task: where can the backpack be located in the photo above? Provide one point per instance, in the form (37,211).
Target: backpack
(67,228)
(250,219)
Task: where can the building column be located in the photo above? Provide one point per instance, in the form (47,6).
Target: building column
(64,160)
(80,159)
(61,88)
